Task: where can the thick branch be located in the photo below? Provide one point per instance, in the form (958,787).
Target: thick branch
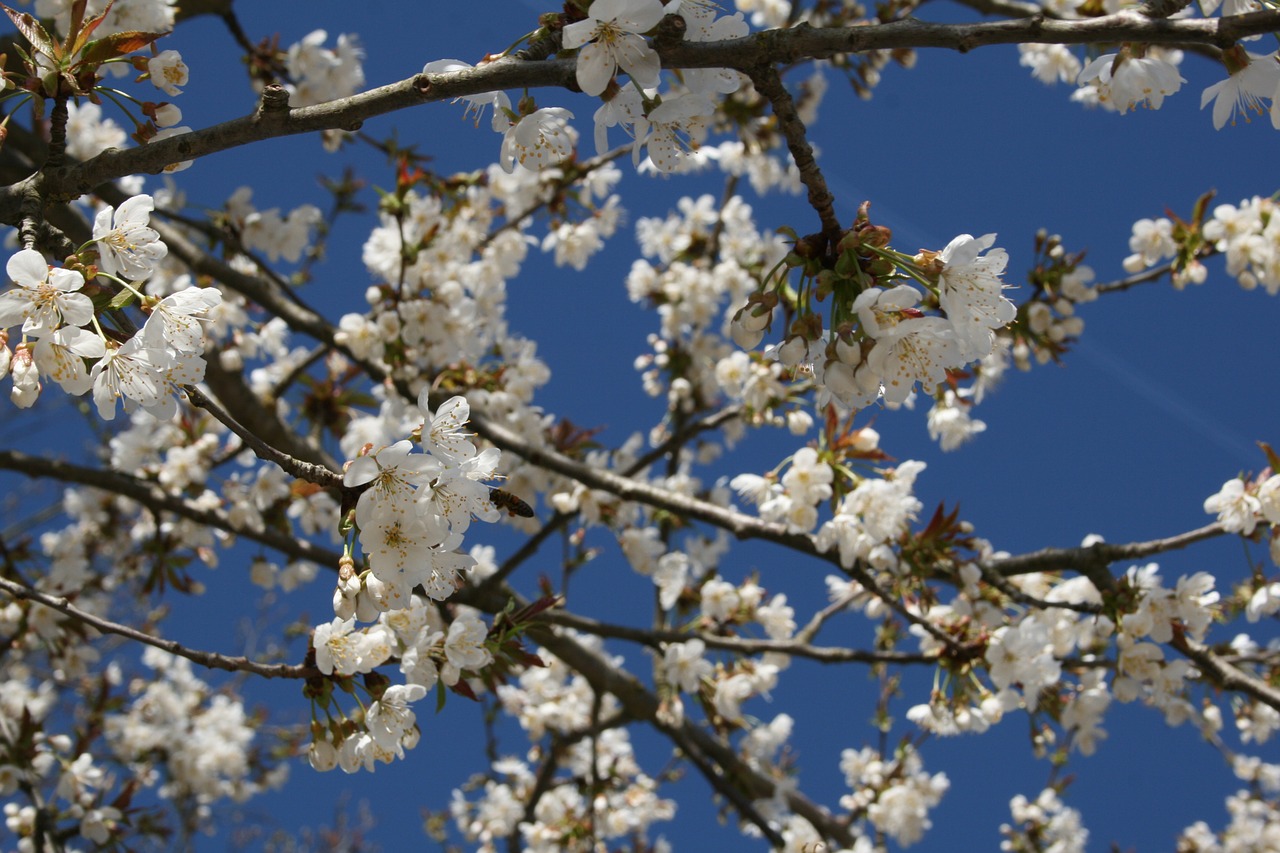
(805,42)
(754,51)
(1225,675)
(1090,559)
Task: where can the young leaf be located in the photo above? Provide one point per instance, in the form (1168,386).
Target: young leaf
(114,45)
(40,40)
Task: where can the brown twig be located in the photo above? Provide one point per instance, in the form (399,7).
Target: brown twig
(655,638)
(212,660)
(308,471)
(1089,560)
(768,83)
(156,498)
(1225,675)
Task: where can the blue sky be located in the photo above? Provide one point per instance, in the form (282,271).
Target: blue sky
(1155,408)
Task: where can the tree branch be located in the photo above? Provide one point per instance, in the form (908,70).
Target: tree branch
(152,495)
(768,83)
(1089,560)
(1225,675)
(770,47)
(211,660)
(317,474)
(654,638)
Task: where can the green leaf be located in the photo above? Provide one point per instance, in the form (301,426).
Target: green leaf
(121,299)
(1202,205)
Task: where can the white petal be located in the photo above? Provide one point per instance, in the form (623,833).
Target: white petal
(595,68)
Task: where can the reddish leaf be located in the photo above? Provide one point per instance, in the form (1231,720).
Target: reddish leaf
(936,523)
(115,45)
(527,659)
(30,27)
(463,689)
(77,21)
(1272,459)
(533,608)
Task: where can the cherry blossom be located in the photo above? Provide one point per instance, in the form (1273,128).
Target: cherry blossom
(672,132)
(322,73)
(130,372)
(1244,89)
(970,292)
(1124,81)
(539,140)
(476,104)
(1236,508)
(168,72)
(61,356)
(686,666)
(127,246)
(174,320)
(610,39)
(45,299)
(919,349)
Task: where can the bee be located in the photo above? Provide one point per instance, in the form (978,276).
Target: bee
(512,504)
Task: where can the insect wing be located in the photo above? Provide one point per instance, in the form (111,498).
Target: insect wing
(512,504)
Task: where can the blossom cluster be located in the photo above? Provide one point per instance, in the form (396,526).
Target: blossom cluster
(200,739)
(601,783)
(148,16)
(1045,822)
(610,39)
(1247,234)
(170,732)
(895,795)
(692,361)
(1144,75)
(889,344)
(428,651)
(321,73)
(61,329)
(1254,818)
(414,510)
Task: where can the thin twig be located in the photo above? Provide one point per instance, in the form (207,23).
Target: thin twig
(654,638)
(308,471)
(212,660)
(768,83)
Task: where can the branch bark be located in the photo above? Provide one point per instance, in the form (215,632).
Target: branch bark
(754,51)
